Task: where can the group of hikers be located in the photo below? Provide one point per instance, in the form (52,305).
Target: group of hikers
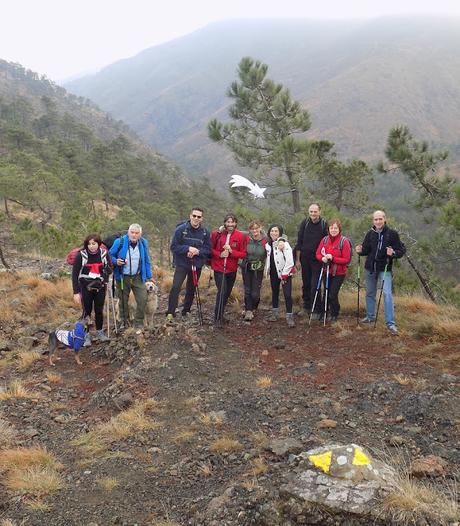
(322,253)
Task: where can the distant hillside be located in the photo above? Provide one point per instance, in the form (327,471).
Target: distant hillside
(357,78)
(61,157)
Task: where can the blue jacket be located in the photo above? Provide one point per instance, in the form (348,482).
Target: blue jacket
(117,252)
(186,236)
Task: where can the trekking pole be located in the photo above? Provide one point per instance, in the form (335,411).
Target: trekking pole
(112,301)
(381,292)
(359,282)
(197,294)
(220,308)
(108,314)
(318,286)
(326,293)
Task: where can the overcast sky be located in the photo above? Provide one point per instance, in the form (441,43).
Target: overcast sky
(61,38)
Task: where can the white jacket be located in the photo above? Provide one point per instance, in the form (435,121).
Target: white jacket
(284,260)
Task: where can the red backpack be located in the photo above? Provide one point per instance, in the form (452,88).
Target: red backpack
(70,258)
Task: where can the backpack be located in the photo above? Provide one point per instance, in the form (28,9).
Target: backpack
(110,240)
(70,258)
(341,242)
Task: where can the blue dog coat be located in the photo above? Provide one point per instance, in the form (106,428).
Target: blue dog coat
(73,339)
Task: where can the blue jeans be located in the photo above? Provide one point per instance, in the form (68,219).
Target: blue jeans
(372,280)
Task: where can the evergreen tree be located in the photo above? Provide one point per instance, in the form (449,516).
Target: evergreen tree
(265,127)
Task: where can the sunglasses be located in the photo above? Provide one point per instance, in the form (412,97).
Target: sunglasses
(196,217)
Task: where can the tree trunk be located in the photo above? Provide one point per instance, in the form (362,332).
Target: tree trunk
(2,259)
(7,212)
(294,192)
(422,279)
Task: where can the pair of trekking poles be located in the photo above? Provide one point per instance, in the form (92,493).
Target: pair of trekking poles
(326,293)
(318,287)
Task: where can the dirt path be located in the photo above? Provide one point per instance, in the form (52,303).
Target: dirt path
(248,383)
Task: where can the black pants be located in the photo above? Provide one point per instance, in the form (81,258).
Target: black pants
(225,282)
(275,283)
(94,298)
(335,282)
(179,277)
(252,280)
(310,274)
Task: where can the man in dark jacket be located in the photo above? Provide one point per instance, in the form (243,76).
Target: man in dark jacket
(190,245)
(381,245)
(311,231)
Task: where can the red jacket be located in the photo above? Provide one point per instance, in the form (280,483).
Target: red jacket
(340,258)
(237,243)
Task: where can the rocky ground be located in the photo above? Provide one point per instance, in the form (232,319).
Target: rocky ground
(229,411)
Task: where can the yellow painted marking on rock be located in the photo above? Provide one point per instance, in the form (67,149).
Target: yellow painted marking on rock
(322,461)
(360,459)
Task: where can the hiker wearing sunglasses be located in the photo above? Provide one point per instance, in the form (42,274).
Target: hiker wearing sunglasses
(191,248)
(381,245)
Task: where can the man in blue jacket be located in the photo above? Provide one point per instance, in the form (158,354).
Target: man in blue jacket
(190,245)
(130,256)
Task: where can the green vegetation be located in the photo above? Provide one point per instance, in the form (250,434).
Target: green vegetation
(64,174)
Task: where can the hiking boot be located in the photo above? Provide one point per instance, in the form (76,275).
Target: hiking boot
(101,336)
(290,320)
(333,319)
(87,342)
(274,315)
(366,320)
(393,329)
(169,318)
(185,315)
(316,316)
(248,316)
(303,312)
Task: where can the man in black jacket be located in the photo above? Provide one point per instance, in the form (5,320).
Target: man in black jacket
(311,232)
(381,245)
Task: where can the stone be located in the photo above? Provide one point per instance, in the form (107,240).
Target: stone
(124,400)
(5,345)
(429,466)
(327,423)
(27,342)
(282,447)
(30,432)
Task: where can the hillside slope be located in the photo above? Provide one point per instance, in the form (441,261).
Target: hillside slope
(358,78)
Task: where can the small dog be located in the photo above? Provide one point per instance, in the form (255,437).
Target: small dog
(152,302)
(70,339)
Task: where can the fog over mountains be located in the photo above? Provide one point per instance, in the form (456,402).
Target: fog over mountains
(357,79)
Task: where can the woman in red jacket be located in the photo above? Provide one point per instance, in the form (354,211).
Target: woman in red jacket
(335,250)
(228,246)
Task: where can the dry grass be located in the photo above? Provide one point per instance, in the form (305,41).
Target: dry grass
(8,434)
(259,466)
(54,378)
(264,382)
(27,358)
(33,481)
(260,439)
(401,379)
(166,284)
(23,458)
(107,483)
(211,419)
(183,436)
(412,501)
(225,445)
(418,304)
(15,389)
(205,470)
(37,505)
(125,424)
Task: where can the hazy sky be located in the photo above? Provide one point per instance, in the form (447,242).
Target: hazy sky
(60,38)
